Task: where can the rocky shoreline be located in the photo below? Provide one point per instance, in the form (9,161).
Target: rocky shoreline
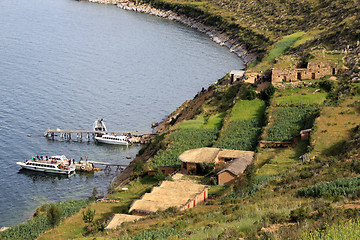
(214,34)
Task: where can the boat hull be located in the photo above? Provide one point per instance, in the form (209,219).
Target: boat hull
(110,141)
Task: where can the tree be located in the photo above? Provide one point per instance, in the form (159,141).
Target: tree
(54,215)
(88,216)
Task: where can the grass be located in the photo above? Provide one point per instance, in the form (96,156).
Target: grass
(73,227)
(197,123)
(306,37)
(333,127)
(274,161)
(247,109)
(307,99)
(215,121)
(343,230)
(283,45)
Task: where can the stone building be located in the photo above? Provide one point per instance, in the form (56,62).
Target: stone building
(314,70)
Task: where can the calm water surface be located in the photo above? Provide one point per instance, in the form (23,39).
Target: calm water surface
(64,64)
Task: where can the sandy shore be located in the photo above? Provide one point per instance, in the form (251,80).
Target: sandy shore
(215,35)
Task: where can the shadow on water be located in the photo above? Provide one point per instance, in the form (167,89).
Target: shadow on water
(42,177)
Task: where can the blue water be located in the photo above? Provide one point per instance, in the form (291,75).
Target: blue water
(64,64)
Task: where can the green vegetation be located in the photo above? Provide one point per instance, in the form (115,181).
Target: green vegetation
(349,229)
(247,109)
(283,45)
(288,121)
(340,187)
(39,223)
(244,127)
(53,215)
(215,121)
(156,234)
(309,99)
(241,135)
(181,141)
(192,124)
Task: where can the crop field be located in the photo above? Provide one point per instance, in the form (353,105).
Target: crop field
(192,124)
(274,161)
(339,187)
(244,127)
(288,121)
(334,126)
(306,99)
(214,121)
(183,140)
(241,135)
(247,109)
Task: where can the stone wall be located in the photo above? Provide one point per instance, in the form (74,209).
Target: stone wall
(314,70)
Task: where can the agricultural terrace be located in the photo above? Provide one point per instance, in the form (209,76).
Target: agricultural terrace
(299,96)
(188,135)
(334,126)
(286,122)
(244,127)
(339,187)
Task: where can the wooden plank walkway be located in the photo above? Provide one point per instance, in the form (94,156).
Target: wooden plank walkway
(90,134)
(49,131)
(107,164)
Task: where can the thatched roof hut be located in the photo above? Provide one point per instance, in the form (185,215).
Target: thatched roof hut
(169,194)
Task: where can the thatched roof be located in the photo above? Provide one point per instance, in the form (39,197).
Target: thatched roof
(168,194)
(199,155)
(120,218)
(238,165)
(225,153)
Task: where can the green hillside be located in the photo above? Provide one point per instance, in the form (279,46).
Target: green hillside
(309,190)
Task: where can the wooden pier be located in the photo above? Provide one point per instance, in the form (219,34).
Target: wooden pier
(120,167)
(90,134)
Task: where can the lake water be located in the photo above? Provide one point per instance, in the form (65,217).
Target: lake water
(64,64)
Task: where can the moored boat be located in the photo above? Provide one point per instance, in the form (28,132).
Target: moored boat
(54,164)
(113,139)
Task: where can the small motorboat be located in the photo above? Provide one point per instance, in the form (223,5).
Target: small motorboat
(113,139)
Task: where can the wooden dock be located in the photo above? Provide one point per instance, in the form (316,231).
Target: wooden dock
(89,134)
(108,165)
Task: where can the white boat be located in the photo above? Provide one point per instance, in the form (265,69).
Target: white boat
(113,139)
(54,164)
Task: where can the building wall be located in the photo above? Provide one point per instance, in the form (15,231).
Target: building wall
(226,178)
(167,170)
(201,197)
(188,168)
(314,70)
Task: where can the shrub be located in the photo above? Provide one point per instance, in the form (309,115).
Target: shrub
(54,215)
(299,214)
(159,175)
(88,216)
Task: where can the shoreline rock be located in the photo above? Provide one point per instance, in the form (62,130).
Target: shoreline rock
(214,34)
